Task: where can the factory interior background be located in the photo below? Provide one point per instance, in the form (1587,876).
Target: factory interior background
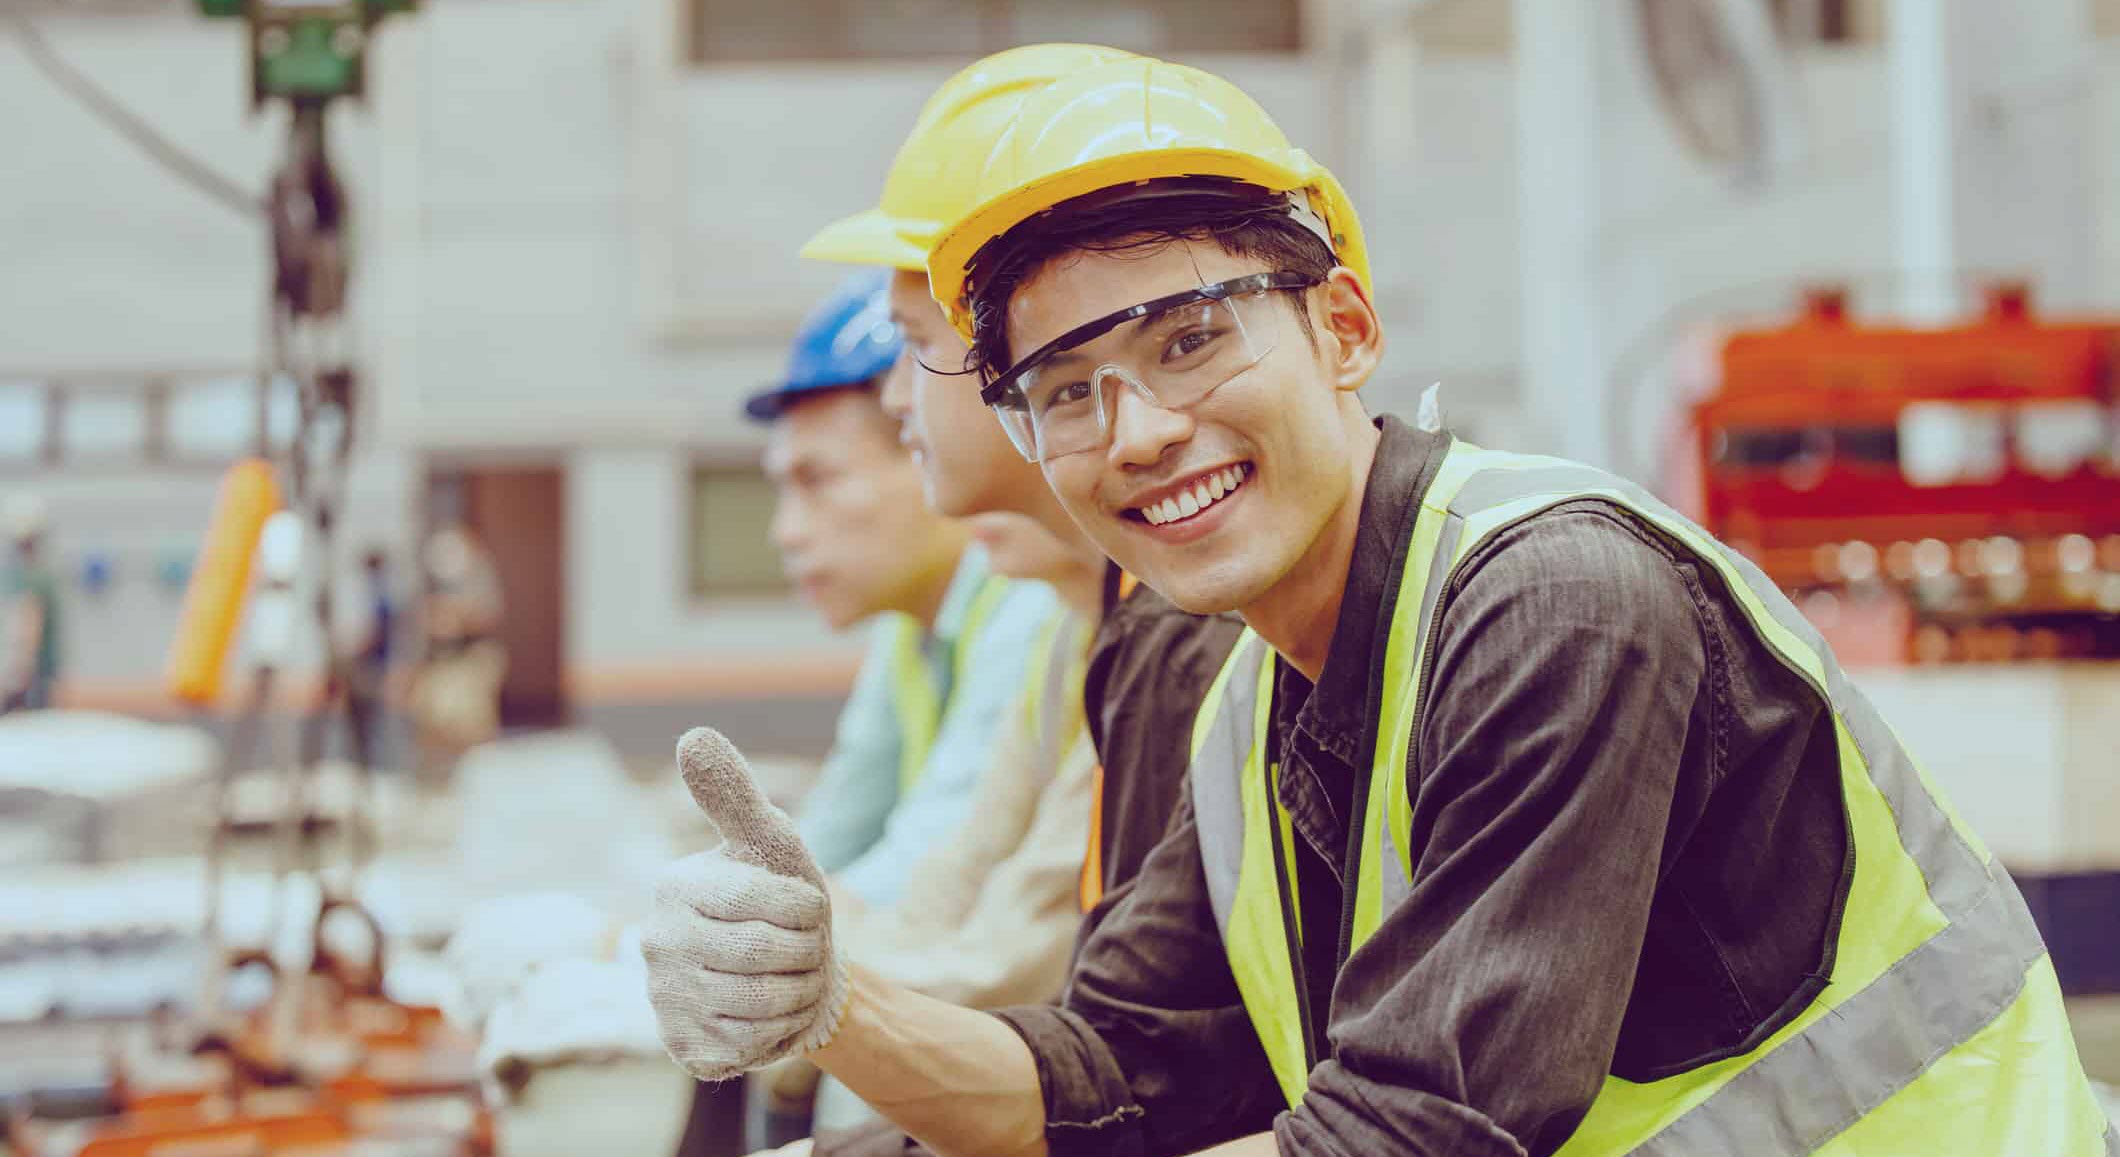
(1840,278)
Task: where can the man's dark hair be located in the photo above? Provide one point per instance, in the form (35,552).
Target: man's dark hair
(1244,220)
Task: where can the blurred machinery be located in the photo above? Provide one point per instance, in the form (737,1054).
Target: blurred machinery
(307,50)
(317,1059)
(1960,484)
(346,1071)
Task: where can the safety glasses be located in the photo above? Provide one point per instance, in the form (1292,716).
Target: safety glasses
(1172,351)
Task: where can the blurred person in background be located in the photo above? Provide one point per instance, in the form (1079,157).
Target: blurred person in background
(949,640)
(29,611)
(1471,877)
(455,696)
(367,656)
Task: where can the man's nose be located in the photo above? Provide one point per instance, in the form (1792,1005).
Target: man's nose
(1142,429)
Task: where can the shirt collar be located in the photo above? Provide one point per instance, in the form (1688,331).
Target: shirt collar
(1337,712)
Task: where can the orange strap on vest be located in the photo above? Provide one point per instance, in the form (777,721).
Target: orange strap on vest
(1092,889)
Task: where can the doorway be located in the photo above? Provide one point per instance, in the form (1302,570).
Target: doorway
(518,511)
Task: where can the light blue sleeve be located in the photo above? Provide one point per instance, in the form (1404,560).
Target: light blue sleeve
(843,815)
(992,683)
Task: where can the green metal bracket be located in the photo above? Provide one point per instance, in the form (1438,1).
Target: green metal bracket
(307,50)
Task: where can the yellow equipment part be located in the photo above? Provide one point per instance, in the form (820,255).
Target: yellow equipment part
(213,602)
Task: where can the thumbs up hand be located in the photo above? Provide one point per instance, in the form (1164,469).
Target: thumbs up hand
(741,968)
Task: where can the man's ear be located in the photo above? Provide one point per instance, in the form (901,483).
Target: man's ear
(1350,321)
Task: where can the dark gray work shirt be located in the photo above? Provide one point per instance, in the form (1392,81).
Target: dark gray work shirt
(1629,856)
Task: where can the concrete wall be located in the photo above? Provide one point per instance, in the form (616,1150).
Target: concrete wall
(107,263)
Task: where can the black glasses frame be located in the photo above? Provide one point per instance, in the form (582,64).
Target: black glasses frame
(994,391)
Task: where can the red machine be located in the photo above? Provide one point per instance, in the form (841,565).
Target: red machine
(1970,474)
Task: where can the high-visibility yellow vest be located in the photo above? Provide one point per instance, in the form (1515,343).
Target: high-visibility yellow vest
(914,695)
(1940,1029)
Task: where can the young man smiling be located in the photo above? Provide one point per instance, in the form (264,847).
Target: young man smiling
(1531,820)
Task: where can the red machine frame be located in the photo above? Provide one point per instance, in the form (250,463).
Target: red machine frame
(1840,389)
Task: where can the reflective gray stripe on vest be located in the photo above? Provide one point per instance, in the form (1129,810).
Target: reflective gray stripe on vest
(1217,778)
(2112,1141)
(1884,1037)
(1395,882)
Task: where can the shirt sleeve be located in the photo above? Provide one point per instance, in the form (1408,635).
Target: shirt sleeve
(1151,1051)
(1482,1017)
(948,876)
(843,815)
(1011,944)
(991,682)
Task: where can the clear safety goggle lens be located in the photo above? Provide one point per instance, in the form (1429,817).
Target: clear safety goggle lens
(1065,403)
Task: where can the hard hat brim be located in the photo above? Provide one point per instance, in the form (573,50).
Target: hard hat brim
(873,237)
(767,405)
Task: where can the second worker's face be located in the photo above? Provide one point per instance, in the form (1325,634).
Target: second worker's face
(967,464)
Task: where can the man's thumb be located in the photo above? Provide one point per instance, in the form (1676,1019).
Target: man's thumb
(754,830)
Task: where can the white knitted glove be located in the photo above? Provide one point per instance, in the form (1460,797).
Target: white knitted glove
(741,968)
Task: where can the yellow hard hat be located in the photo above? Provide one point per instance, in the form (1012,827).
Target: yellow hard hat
(931,179)
(1120,124)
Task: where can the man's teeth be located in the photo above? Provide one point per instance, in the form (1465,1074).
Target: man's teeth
(1205,492)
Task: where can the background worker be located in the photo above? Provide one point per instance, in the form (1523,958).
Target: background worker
(1409,902)
(29,611)
(951,640)
(370,648)
(455,696)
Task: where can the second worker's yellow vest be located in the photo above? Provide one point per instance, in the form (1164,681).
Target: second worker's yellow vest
(1940,1029)
(915,698)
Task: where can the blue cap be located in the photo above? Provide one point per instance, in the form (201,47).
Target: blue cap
(847,341)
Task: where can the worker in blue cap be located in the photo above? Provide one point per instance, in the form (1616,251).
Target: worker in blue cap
(950,642)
